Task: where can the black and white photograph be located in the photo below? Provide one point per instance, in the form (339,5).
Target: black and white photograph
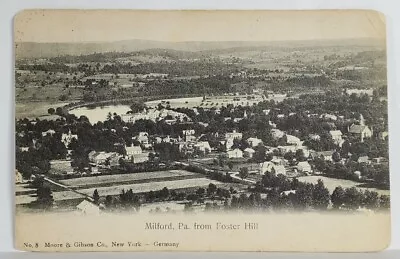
(163,114)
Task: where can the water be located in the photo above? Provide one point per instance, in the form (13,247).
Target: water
(99,113)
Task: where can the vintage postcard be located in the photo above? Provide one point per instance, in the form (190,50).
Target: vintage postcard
(140,130)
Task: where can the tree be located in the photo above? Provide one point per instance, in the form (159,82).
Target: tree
(51,111)
(59,111)
(384,202)
(337,197)
(212,188)
(371,200)
(109,201)
(200,192)
(244,172)
(352,198)
(165,193)
(321,196)
(44,197)
(260,154)
(336,156)
(230,165)
(96,196)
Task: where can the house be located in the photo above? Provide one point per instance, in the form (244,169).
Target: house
(277,134)
(360,131)
(292,140)
(236,153)
(203,147)
(49,132)
(233,135)
(253,142)
(272,168)
(285,149)
(267,111)
(140,158)
(369,92)
(357,174)
(304,167)
(363,159)
(306,151)
(336,136)
(383,135)
(188,135)
(248,152)
(133,150)
(66,139)
(328,116)
(88,208)
(18,177)
(99,158)
(326,155)
(378,160)
(314,137)
(278,161)
(228,144)
(143,138)
(24,149)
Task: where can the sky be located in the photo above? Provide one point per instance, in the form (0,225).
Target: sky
(177,26)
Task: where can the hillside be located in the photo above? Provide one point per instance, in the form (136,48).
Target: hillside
(47,50)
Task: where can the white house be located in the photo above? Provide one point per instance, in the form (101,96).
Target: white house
(139,158)
(233,135)
(293,140)
(286,149)
(66,138)
(49,132)
(277,134)
(249,152)
(18,177)
(326,155)
(133,150)
(314,136)
(202,146)
(272,168)
(329,116)
(88,208)
(336,136)
(364,159)
(253,142)
(143,138)
(360,131)
(304,167)
(236,153)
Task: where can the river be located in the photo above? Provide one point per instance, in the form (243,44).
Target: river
(99,113)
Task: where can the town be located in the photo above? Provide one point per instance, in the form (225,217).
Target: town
(165,131)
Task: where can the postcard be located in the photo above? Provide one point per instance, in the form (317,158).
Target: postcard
(182,130)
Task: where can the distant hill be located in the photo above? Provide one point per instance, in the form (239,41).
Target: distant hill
(47,50)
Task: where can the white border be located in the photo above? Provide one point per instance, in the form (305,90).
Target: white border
(8,8)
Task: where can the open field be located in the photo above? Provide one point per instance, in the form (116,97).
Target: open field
(34,109)
(121,178)
(332,183)
(115,190)
(189,102)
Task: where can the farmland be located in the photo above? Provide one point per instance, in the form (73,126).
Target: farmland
(136,188)
(121,178)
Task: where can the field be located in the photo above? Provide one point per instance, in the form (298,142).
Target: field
(178,102)
(136,188)
(113,184)
(34,109)
(332,183)
(121,178)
